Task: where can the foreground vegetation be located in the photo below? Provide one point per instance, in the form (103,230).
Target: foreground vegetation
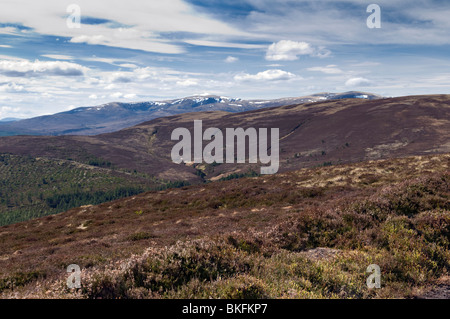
(282,241)
(404,229)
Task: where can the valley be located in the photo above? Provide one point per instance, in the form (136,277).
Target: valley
(138,158)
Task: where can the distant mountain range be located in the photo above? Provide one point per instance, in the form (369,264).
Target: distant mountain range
(116,116)
(311,134)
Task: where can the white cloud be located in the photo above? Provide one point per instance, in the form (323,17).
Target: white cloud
(98,59)
(329,69)
(5,46)
(231,59)
(356,82)
(287,50)
(90,39)
(11,58)
(128,65)
(366,64)
(26,68)
(330,22)
(121,77)
(93,96)
(322,52)
(138,24)
(110,87)
(57,56)
(188,82)
(9,31)
(154,73)
(268,75)
(130,38)
(5,109)
(8,111)
(120,95)
(11,88)
(208,43)
(131,76)
(116,95)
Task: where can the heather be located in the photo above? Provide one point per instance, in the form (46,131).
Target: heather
(311,242)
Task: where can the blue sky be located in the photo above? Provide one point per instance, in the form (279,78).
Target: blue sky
(141,50)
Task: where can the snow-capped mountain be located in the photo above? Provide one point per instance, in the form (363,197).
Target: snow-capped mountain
(115,116)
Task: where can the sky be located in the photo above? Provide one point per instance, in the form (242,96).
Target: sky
(148,50)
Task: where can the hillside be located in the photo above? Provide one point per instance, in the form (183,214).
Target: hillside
(309,233)
(115,116)
(312,134)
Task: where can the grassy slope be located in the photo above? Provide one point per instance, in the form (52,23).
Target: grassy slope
(303,234)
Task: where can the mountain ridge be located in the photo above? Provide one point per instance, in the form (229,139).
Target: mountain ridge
(114,116)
